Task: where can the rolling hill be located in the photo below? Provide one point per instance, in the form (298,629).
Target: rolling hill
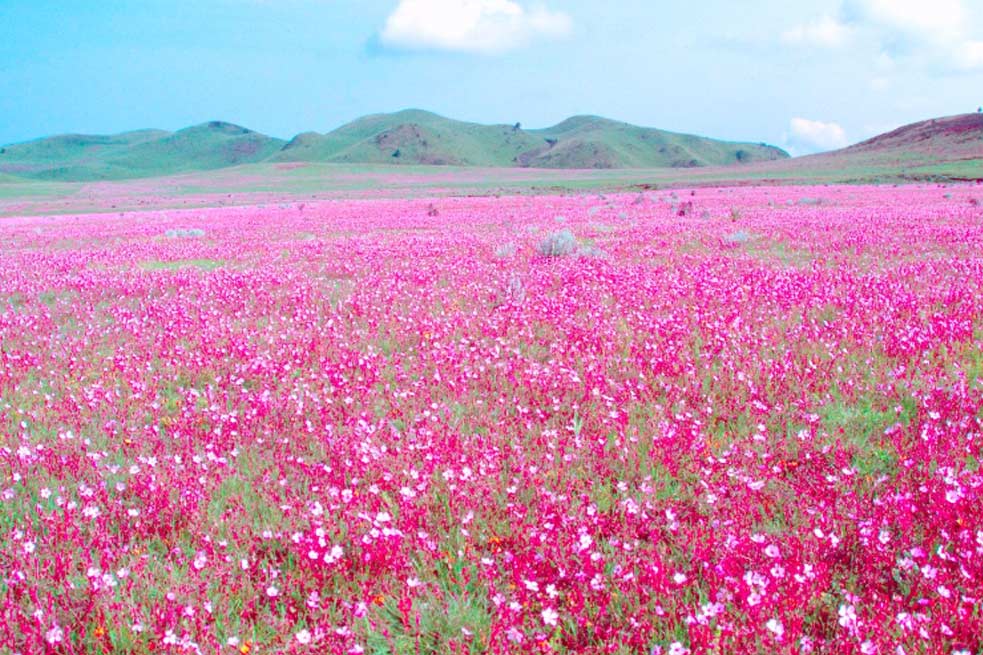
(410,137)
(419,137)
(941,148)
(144,153)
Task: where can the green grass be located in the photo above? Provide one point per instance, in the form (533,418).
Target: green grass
(203,264)
(273,183)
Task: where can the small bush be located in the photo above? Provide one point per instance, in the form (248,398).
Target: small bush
(184,233)
(558,244)
(506,250)
(591,252)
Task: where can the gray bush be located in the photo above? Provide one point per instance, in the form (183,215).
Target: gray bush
(506,250)
(591,252)
(558,244)
(737,237)
(184,233)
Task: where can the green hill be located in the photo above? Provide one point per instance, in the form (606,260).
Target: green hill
(144,153)
(412,137)
(420,137)
(408,137)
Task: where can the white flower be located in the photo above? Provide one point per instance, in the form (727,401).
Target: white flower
(304,637)
(676,648)
(848,617)
(54,635)
(550,616)
(272,591)
(775,626)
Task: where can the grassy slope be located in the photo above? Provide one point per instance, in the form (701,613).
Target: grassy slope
(407,137)
(595,142)
(419,137)
(145,153)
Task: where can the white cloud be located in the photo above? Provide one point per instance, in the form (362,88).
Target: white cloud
(827,32)
(969,55)
(938,20)
(811,136)
(936,33)
(476,26)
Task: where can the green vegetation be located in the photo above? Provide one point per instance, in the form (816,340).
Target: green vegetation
(419,137)
(203,264)
(145,153)
(406,137)
(939,151)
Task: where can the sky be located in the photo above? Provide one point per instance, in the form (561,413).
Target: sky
(807,76)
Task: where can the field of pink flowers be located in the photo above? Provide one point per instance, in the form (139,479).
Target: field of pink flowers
(727,421)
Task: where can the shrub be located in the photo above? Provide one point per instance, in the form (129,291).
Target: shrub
(737,237)
(591,252)
(184,233)
(558,244)
(506,250)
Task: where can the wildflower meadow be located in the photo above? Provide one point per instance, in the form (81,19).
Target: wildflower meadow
(741,420)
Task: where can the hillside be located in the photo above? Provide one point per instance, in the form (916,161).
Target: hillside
(144,153)
(938,149)
(941,148)
(951,137)
(419,137)
(410,137)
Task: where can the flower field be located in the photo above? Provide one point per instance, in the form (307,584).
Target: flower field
(718,421)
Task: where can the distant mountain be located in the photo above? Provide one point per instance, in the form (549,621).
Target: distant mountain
(144,153)
(407,137)
(419,137)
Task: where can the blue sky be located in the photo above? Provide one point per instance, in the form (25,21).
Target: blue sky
(811,76)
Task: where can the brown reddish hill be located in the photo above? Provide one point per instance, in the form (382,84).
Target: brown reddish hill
(937,150)
(950,137)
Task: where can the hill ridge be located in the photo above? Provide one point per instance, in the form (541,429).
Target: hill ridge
(408,136)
